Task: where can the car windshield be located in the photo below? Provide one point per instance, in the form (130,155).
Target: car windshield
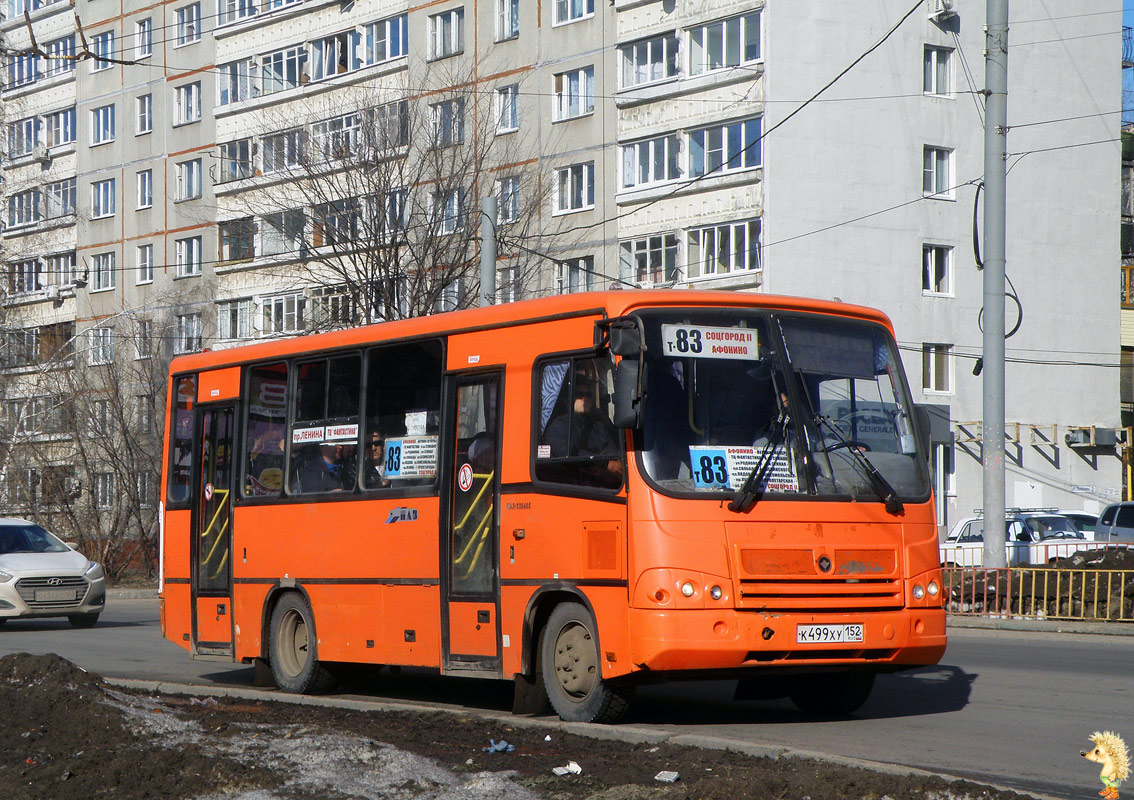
(726,395)
(29,539)
(1048,527)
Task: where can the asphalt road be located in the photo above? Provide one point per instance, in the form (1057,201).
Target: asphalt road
(1013,708)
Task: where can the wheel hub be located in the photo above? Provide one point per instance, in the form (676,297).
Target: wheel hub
(576,662)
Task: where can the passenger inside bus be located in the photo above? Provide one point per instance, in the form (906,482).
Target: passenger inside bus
(325,468)
(374,462)
(578,429)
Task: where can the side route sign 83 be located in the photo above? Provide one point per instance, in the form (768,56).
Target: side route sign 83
(700,341)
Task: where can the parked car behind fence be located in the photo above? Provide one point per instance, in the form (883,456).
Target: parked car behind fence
(1033,536)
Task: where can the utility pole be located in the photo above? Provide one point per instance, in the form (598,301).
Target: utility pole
(488,208)
(995,179)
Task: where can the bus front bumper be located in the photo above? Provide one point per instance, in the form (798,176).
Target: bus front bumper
(711,639)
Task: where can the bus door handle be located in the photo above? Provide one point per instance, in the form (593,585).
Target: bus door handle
(518,534)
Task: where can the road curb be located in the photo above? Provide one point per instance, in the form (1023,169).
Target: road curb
(621,733)
(131,594)
(1041,625)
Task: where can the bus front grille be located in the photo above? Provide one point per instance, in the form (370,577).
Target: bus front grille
(52,592)
(820,594)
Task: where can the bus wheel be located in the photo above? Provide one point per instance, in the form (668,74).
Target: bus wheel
(295,663)
(832,695)
(569,662)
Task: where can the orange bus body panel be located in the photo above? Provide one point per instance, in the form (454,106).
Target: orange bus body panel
(219,384)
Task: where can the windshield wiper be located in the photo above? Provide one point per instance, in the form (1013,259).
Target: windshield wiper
(878,483)
(746,495)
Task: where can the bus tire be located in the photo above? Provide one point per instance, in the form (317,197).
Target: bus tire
(292,649)
(572,674)
(833,694)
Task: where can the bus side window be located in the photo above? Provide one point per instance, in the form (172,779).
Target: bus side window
(324,434)
(181,442)
(401,415)
(265,430)
(576,441)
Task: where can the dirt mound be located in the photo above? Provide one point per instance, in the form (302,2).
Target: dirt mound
(1103,558)
(69,735)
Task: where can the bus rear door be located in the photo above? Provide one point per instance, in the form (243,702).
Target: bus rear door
(470,547)
(211,556)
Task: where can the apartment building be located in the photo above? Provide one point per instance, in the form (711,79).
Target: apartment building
(220,183)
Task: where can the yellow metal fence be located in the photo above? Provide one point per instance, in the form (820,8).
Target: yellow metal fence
(1102,595)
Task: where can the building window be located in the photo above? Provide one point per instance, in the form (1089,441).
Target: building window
(386,39)
(235,160)
(189,179)
(237,239)
(60,57)
(336,223)
(331,307)
(508,199)
(102,124)
(61,268)
(936,171)
(187,333)
(187,103)
(60,127)
(575,188)
(61,198)
(725,248)
(936,368)
(282,233)
(188,257)
(508,108)
(574,93)
(234,82)
(650,161)
(101,346)
(448,122)
(102,45)
(724,43)
(232,10)
(283,69)
(234,319)
(283,313)
(143,339)
(725,148)
(102,198)
(102,272)
(507,19)
(337,138)
(334,55)
(649,260)
(576,275)
(143,38)
(282,151)
(144,264)
(508,288)
(25,276)
(144,118)
(449,206)
(23,136)
(571,10)
(392,209)
(104,489)
(936,74)
(936,269)
(23,70)
(189,24)
(23,208)
(648,61)
(145,188)
(446,33)
(391,125)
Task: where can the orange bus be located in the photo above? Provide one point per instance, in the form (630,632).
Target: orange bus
(580,494)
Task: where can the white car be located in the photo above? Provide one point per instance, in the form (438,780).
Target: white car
(1084,521)
(41,576)
(1031,538)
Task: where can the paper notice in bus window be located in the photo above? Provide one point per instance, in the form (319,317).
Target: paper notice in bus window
(411,457)
(701,341)
(302,435)
(415,422)
(723,467)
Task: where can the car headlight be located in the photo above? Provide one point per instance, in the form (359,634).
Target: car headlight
(5,577)
(94,572)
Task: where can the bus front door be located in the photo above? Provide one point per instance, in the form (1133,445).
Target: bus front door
(470,555)
(211,552)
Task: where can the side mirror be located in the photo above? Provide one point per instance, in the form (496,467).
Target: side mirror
(629,376)
(625,337)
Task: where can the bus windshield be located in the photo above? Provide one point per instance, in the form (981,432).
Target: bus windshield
(799,404)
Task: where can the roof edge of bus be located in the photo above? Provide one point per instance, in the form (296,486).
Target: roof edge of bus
(609,303)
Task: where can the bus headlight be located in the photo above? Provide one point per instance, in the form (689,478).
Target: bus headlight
(687,589)
(918,591)
(934,589)
(715,592)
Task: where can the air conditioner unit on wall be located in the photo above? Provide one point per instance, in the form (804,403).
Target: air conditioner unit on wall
(940,9)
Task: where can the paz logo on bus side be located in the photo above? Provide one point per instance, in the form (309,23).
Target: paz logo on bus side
(401,514)
(464,477)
